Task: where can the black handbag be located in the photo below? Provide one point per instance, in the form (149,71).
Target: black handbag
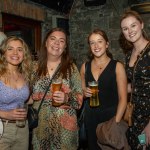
(81,121)
(32,112)
(32,117)
(82,126)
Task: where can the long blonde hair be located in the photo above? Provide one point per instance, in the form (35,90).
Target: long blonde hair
(24,67)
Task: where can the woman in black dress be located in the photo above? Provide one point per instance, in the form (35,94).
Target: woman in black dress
(112,86)
(137,45)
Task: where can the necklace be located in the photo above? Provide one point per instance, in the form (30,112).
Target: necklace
(18,77)
(51,69)
(14,75)
(101,65)
(11,78)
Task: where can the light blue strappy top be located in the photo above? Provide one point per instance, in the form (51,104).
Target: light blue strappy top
(10,98)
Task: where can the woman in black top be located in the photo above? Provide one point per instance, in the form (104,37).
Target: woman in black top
(112,86)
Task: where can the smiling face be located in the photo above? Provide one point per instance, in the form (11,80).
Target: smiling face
(14,53)
(56,43)
(98,45)
(132,28)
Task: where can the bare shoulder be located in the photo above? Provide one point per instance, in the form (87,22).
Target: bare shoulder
(120,69)
(82,67)
(120,65)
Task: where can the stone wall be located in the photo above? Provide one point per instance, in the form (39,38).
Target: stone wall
(84,19)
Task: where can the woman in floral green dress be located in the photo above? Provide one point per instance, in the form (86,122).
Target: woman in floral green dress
(57,129)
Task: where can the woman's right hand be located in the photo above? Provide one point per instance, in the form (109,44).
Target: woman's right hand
(15,114)
(87,92)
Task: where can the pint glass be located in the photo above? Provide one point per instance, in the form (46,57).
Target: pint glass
(22,123)
(94,99)
(56,86)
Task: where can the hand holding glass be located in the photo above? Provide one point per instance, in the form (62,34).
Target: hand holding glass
(94,100)
(56,86)
(22,123)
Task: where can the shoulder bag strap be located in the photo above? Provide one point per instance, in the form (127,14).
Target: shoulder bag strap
(48,88)
(140,56)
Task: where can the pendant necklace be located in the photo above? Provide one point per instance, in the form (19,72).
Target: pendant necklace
(101,66)
(52,68)
(16,79)
(14,75)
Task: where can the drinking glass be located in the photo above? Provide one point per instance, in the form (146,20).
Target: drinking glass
(94,99)
(22,123)
(56,86)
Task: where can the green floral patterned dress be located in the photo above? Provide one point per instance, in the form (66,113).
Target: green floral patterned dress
(57,129)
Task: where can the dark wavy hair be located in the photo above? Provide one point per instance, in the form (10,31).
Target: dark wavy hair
(103,34)
(124,43)
(66,61)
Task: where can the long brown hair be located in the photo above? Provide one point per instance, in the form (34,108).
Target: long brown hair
(66,61)
(103,34)
(124,43)
(25,66)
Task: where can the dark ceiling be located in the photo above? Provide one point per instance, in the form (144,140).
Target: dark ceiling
(63,6)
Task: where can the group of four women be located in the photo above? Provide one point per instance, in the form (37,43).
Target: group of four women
(57,128)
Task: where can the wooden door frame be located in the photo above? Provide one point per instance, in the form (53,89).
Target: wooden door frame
(34,25)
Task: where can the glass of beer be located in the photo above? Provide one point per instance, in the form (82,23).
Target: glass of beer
(22,123)
(94,99)
(56,86)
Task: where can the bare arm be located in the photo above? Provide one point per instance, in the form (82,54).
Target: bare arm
(14,114)
(82,73)
(147,133)
(122,91)
(129,87)
(30,101)
(86,91)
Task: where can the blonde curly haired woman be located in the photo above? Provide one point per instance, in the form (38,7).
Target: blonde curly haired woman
(15,62)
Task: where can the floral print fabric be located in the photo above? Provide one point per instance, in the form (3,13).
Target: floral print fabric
(57,129)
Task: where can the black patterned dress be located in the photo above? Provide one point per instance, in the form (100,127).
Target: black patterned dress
(141,97)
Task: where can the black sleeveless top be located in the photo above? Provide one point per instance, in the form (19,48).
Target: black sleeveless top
(108,97)
(108,94)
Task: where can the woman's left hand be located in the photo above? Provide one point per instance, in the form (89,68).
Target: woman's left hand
(147,133)
(59,97)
